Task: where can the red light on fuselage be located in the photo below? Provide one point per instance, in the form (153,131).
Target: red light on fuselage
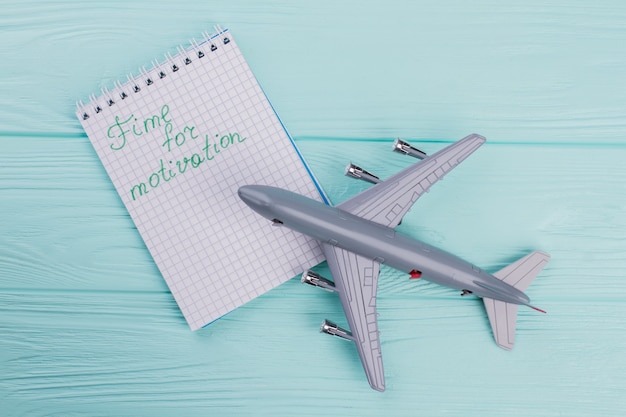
(415,274)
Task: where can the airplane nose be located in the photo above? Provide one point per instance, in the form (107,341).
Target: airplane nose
(254,196)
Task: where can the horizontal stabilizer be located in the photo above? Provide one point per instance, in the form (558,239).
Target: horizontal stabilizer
(503,316)
(521,273)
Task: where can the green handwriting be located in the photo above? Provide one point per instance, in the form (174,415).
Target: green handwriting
(168,169)
(130,127)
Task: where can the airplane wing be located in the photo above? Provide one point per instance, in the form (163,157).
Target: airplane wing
(387,202)
(356,281)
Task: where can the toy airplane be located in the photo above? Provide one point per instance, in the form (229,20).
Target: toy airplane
(358,235)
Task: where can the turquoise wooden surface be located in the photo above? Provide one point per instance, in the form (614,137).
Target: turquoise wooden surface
(88,327)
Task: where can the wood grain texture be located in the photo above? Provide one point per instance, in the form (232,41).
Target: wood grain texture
(88,327)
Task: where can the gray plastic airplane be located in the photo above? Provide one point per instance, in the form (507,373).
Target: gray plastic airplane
(358,235)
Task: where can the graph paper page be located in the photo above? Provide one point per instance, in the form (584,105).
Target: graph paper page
(177,150)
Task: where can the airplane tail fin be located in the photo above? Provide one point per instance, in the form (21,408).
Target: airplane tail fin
(503,316)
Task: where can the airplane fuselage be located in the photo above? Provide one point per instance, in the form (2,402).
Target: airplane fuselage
(334,226)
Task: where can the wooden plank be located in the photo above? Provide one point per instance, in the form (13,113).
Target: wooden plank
(63,224)
(131,354)
(526,72)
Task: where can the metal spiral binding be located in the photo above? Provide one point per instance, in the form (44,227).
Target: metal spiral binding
(171,64)
(119,87)
(196,48)
(105,93)
(131,81)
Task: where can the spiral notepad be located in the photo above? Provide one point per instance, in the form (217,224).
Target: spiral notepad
(177,141)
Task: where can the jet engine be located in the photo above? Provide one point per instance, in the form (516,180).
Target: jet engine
(331,328)
(405,148)
(361,174)
(316,280)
